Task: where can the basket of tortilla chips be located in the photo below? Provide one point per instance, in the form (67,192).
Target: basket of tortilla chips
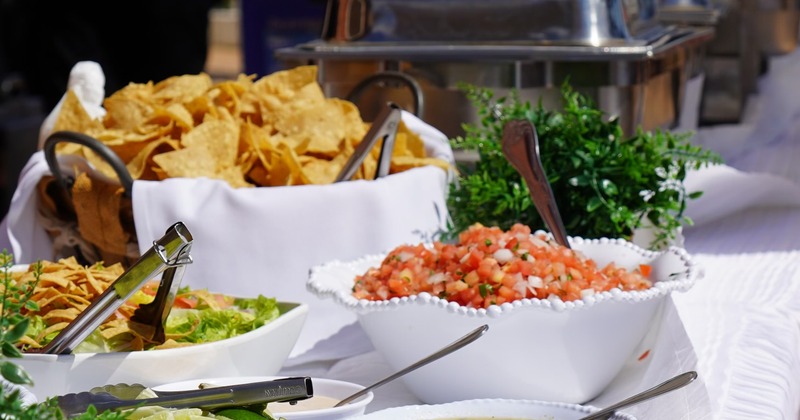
(249,163)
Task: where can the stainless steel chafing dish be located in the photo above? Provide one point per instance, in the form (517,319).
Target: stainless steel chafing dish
(416,52)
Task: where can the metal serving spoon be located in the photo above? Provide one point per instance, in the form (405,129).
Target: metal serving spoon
(521,148)
(455,345)
(669,385)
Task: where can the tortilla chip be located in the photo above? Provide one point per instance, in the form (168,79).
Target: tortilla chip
(73,117)
(97,205)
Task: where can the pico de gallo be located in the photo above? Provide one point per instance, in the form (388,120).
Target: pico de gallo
(489,266)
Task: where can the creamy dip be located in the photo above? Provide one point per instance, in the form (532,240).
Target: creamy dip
(317,402)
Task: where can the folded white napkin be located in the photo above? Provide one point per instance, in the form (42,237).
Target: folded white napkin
(264,240)
(88,81)
(727,190)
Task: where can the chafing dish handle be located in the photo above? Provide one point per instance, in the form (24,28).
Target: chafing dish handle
(391,76)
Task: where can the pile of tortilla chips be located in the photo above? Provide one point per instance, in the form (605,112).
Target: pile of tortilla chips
(275,131)
(65,289)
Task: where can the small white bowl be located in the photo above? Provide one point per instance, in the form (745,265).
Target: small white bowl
(535,349)
(490,408)
(327,392)
(261,352)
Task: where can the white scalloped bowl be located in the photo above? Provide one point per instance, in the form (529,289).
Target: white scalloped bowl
(537,349)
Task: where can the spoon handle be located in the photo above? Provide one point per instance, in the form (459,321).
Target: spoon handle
(455,345)
(521,148)
(669,385)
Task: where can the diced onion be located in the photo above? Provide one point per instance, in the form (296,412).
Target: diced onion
(437,278)
(535,281)
(538,242)
(503,255)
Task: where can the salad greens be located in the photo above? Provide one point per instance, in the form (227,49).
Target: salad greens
(203,325)
(605,184)
(210,320)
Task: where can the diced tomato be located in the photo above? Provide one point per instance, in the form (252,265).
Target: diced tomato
(150,288)
(645,269)
(185,302)
(507,293)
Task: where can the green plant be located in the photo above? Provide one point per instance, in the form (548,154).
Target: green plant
(606,185)
(13,325)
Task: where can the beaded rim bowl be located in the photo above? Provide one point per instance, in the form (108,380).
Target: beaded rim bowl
(546,349)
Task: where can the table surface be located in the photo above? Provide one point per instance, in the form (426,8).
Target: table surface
(743,318)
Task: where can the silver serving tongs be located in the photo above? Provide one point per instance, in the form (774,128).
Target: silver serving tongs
(169,254)
(383,128)
(277,390)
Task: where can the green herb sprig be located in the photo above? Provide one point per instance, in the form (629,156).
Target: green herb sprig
(13,325)
(605,184)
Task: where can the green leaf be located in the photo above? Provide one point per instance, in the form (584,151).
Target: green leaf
(594,204)
(580,181)
(608,187)
(9,350)
(14,373)
(17,331)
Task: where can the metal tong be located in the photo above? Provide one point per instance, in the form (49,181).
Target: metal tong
(278,390)
(384,128)
(521,148)
(169,255)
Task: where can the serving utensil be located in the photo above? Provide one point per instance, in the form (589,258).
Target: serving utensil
(444,351)
(521,148)
(278,390)
(169,255)
(669,385)
(383,128)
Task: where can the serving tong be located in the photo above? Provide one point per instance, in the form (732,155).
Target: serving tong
(383,128)
(278,390)
(170,254)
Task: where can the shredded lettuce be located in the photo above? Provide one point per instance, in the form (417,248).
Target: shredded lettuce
(208,324)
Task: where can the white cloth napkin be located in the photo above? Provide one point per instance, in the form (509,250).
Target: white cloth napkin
(88,81)
(727,190)
(264,240)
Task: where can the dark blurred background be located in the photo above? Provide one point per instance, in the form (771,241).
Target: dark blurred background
(141,41)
